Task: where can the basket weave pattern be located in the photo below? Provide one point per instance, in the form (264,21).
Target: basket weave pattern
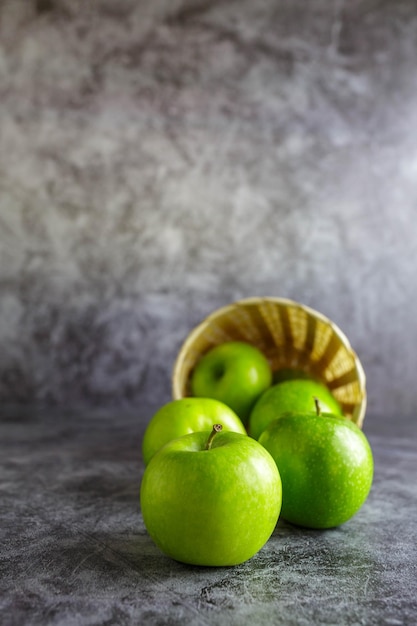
(290,335)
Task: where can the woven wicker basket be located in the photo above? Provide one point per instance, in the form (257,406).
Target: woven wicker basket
(290,335)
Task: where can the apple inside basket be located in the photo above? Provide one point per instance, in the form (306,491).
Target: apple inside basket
(290,335)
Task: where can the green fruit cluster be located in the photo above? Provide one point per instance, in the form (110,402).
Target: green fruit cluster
(285,449)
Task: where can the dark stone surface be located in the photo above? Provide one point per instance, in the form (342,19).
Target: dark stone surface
(74,549)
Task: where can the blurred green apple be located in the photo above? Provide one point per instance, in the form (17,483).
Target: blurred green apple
(235,373)
(289,373)
(290,396)
(184,416)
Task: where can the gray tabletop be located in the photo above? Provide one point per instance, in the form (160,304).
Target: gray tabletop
(74,549)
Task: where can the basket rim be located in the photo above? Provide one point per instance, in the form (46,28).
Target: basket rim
(255,301)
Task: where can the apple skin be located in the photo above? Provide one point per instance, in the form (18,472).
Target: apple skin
(290,373)
(185,416)
(290,396)
(235,373)
(215,507)
(326,467)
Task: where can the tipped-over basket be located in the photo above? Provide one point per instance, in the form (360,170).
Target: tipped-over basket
(290,335)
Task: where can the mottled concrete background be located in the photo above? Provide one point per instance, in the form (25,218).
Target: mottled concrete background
(160,159)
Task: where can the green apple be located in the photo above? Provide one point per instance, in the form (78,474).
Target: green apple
(184,416)
(295,396)
(235,373)
(326,467)
(289,373)
(211,500)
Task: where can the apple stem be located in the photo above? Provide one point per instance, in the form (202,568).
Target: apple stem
(318,408)
(216,429)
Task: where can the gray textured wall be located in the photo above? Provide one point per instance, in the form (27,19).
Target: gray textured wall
(156,163)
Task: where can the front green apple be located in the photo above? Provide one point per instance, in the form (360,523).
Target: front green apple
(235,373)
(326,467)
(213,503)
(184,416)
(290,396)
